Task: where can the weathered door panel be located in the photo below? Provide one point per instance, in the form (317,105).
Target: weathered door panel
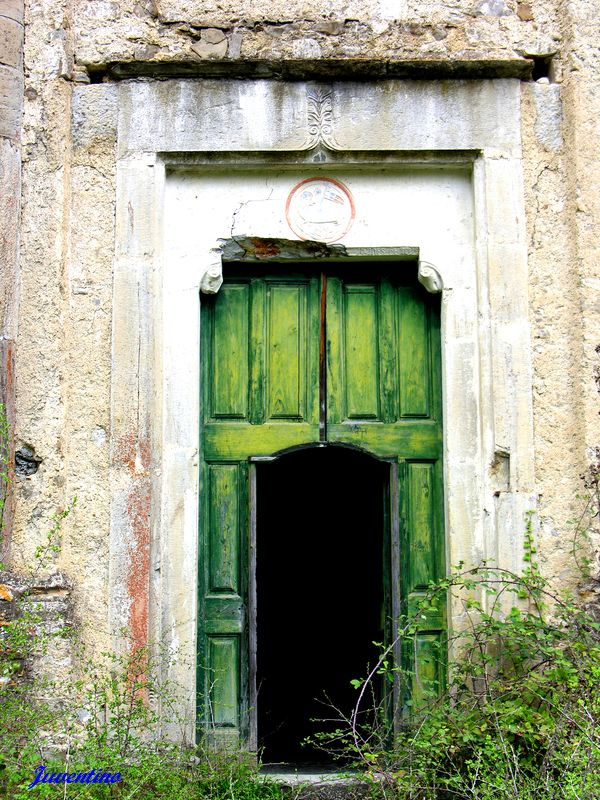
(383,375)
(261,387)
(223,588)
(228,396)
(265,396)
(422,561)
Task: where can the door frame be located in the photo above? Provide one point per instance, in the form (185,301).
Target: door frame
(164,256)
(299,255)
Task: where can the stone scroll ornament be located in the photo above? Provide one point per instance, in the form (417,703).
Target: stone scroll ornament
(212,277)
(430,278)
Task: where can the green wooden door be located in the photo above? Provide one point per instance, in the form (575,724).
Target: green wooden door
(294,359)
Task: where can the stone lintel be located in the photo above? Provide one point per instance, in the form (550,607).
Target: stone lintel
(316,69)
(251,248)
(274,250)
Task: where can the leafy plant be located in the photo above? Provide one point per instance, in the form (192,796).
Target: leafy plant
(108,720)
(520,717)
(111,725)
(4,472)
(104,717)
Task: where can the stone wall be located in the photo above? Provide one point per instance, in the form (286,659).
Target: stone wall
(561,184)
(62,298)
(392,36)
(11,106)
(43,603)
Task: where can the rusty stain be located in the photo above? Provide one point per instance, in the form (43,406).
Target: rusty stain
(5,592)
(259,248)
(138,579)
(132,453)
(264,248)
(124,451)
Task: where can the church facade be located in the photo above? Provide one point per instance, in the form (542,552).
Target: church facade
(286,284)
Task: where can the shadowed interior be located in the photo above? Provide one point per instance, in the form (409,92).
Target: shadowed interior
(320,592)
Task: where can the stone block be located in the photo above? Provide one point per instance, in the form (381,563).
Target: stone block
(414,115)
(226,115)
(94,113)
(205,49)
(549,115)
(212,35)
(11,42)
(11,101)
(13,9)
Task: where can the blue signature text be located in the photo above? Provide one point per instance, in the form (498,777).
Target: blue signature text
(41,775)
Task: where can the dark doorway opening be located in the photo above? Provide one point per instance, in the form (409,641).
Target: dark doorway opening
(321,597)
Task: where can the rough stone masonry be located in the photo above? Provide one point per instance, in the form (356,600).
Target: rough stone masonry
(66,68)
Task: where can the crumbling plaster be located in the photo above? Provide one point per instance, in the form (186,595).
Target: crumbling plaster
(64,303)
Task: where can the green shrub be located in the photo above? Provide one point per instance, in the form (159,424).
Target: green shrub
(103,718)
(106,721)
(520,716)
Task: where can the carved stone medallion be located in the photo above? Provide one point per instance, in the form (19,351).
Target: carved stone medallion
(320,209)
